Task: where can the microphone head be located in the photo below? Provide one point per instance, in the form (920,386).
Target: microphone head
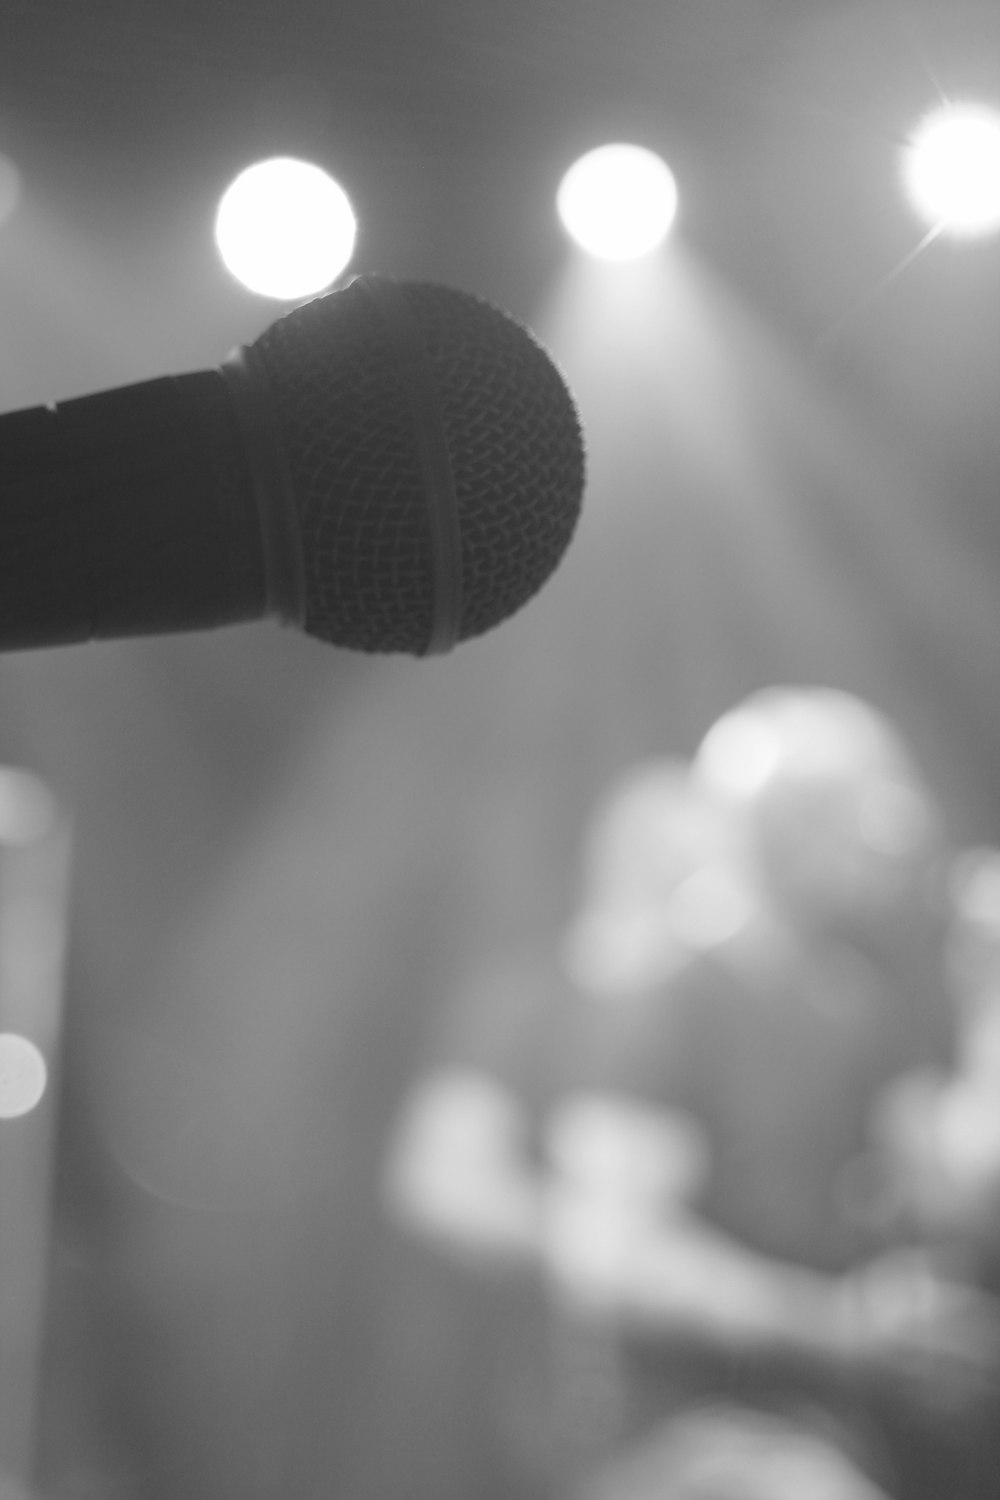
(433,456)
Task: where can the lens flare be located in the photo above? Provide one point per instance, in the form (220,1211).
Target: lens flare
(285,229)
(618,202)
(951,169)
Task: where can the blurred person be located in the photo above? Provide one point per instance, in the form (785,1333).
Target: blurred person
(766,1282)
(690,1196)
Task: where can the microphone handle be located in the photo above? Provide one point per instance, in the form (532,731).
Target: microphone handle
(128,512)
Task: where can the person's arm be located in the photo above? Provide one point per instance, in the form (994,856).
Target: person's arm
(457,1173)
(625,1238)
(895,1328)
(687,1279)
(652,1265)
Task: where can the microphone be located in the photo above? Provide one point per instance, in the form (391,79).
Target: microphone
(395,466)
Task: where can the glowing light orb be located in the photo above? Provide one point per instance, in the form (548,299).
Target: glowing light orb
(285,229)
(618,202)
(951,169)
(23,1075)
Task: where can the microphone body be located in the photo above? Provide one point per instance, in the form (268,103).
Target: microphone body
(392,467)
(129,512)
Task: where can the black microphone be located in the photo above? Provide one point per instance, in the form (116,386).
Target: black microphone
(394,466)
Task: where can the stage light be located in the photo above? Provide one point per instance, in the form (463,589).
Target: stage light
(618,202)
(23,1075)
(951,169)
(285,229)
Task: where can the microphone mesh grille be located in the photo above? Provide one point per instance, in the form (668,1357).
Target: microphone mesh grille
(513,438)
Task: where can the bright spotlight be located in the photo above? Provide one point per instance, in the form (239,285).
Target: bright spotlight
(618,202)
(285,229)
(952,169)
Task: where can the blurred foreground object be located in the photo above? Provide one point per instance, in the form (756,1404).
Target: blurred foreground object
(34,888)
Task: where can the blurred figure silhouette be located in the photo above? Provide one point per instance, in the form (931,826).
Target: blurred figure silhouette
(760,951)
(774,1282)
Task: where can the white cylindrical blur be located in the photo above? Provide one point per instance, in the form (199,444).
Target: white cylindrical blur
(34,870)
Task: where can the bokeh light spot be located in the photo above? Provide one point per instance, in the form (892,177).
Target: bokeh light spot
(285,228)
(951,169)
(618,202)
(23,1075)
